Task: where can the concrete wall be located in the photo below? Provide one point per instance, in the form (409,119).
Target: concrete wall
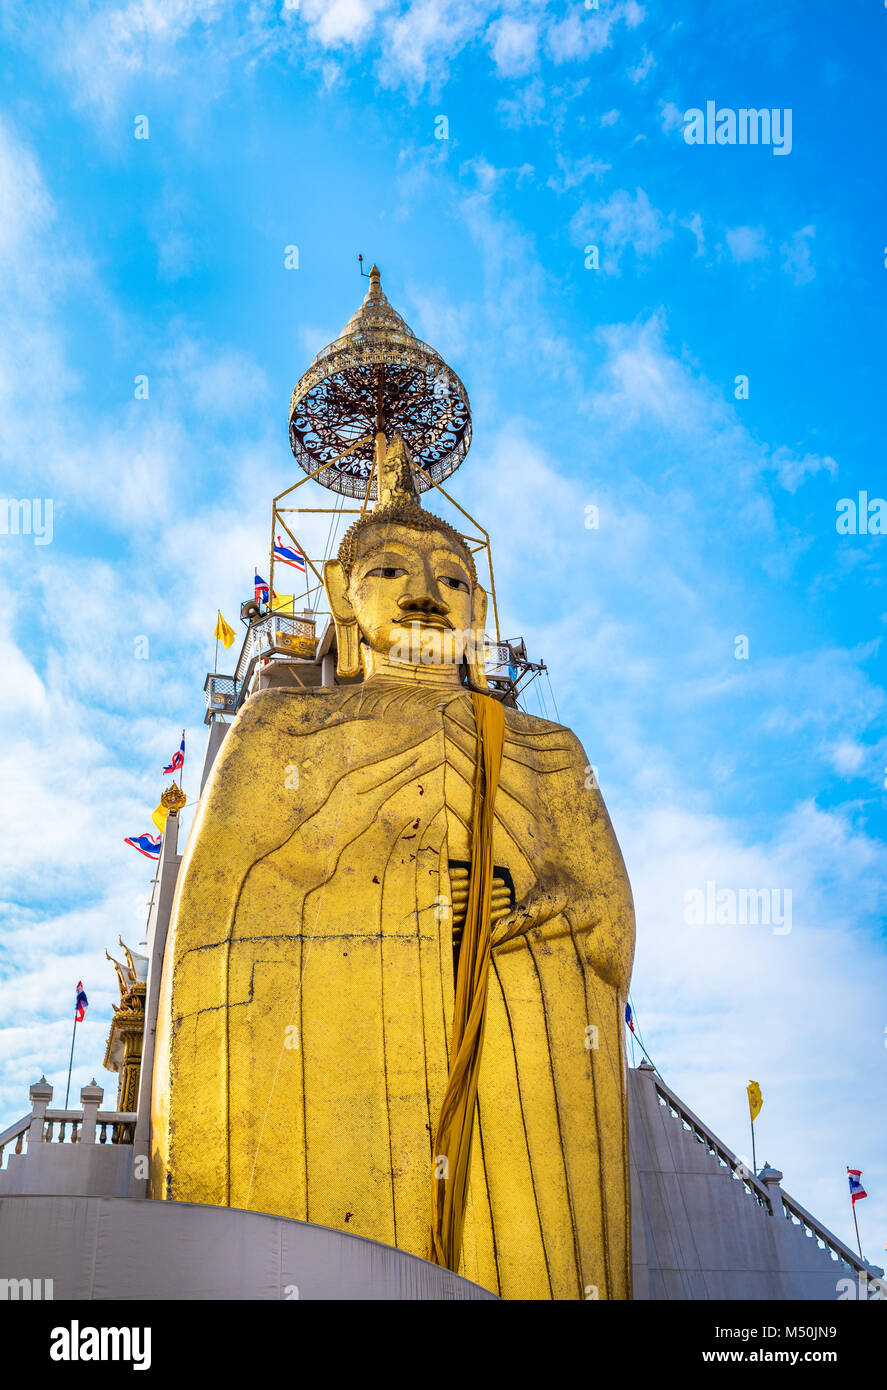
(697,1232)
(77,1170)
(68,1213)
(129,1248)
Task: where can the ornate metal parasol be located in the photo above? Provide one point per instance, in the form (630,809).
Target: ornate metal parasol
(378,378)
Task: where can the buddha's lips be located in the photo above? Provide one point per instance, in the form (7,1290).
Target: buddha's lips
(426,620)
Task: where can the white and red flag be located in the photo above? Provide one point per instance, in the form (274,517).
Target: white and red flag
(854,1177)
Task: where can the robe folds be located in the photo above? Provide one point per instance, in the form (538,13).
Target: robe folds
(307,997)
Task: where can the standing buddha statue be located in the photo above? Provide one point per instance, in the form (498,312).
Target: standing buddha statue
(394,985)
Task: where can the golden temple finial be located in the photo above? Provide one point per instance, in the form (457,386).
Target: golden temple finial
(375,381)
(121,978)
(173,799)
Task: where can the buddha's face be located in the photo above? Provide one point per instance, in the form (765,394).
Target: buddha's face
(411,593)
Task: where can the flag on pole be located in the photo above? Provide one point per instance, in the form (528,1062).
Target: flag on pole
(223,632)
(755,1100)
(629,1017)
(288,555)
(81,1003)
(159,816)
(261,589)
(854,1177)
(283,603)
(178,758)
(149,845)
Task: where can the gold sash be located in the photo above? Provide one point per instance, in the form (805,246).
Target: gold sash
(452,1142)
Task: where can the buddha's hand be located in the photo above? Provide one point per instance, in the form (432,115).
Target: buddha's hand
(544,902)
(534,909)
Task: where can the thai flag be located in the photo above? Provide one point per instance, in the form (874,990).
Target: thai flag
(178,759)
(148,845)
(629,1017)
(854,1177)
(80,1003)
(288,555)
(262,590)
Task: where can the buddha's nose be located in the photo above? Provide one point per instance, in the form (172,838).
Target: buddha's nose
(422,603)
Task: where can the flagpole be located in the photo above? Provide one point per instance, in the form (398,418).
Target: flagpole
(856,1225)
(754,1161)
(71,1062)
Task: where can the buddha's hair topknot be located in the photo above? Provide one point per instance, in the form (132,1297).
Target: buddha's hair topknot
(404,512)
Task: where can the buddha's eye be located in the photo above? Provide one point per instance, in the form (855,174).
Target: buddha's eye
(452,583)
(386,572)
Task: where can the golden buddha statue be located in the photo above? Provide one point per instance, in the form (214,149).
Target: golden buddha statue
(394,987)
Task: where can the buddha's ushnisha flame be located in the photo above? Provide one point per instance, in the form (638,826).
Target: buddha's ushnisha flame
(399,502)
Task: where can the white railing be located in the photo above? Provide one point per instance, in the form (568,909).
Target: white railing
(88,1125)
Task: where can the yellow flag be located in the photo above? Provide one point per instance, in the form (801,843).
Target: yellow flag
(159,817)
(223,632)
(755,1100)
(283,603)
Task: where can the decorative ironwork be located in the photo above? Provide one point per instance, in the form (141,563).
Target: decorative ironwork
(378,377)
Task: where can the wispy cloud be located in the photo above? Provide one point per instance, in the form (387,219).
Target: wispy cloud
(620,223)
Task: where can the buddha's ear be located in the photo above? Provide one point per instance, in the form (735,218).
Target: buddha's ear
(335,583)
(476,665)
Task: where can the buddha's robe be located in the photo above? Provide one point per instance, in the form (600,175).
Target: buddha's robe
(307,998)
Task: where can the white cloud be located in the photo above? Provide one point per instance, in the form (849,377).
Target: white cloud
(515,45)
(420,43)
(584,32)
(794,470)
(103,51)
(672,117)
(573,173)
(335,22)
(621,222)
(846,757)
(639,72)
(693,224)
(411,44)
(488,178)
(28,210)
(747,243)
(526,108)
(218,382)
(610,117)
(797,256)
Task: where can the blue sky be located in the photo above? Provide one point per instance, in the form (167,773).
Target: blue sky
(315,125)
